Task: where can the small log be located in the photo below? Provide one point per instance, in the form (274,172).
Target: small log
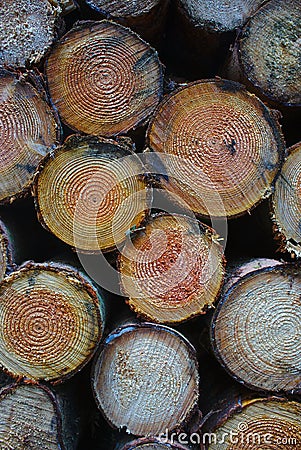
(151,443)
(221,146)
(29,131)
(6,251)
(146,17)
(51,322)
(256,329)
(267,54)
(146,379)
(271,422)
(67,6)
(286,203)
(172,268)
(103,79)
(30,418)
(97,194)
(27,30)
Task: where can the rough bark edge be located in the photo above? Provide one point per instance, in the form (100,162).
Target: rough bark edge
(52,397)
(204,229)
(125,144)
(127,327)
(83,25)
(271,116)
(35,80)
(8,248)
(84,283)
(283,267)
(284,245)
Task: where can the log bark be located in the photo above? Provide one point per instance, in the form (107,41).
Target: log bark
(172,268)
(267,53)
(286,203)
(145,379)
(256,329)
(98,192)
(51,322)
(103,79)
(30,129)
(208,28)
(147,18)
(30,418)
(221,146)
(267,422)
(27,30)
(6,251)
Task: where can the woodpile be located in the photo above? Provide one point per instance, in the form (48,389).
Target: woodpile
(150,224)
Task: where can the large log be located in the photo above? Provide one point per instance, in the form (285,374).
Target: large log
(30,418)
(27,30)
(145,379)
(171,268)
(286,203)
(29,130)
(221,146)
(97,194)
(256,423)
(256,329)
(103,79)
(146,17)
(267,53)
(51,322)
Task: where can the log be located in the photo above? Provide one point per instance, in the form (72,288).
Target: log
(208,28)
(30,129)
(97,194)
(51,322)
(172,268)
(151,443)
(286,203)
(267,53)
(30,418)
(145,379)
(256,329)
(6,251)
(103,79)
(68,6)
(147,17)
(267,422)
(221,147)
(27,30)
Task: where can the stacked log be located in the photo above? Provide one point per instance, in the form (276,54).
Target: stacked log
(122,326)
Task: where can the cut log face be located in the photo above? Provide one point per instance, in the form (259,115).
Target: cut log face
(171,269)
(27,30)
(29,418)
(117,8)
(28,132)
(260,423)
(103,78)
(287,203)
(256,329)
(270,51)
(221,146)
(219,15)
(146,379)
(97,193)
(51,322)
(5,251)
